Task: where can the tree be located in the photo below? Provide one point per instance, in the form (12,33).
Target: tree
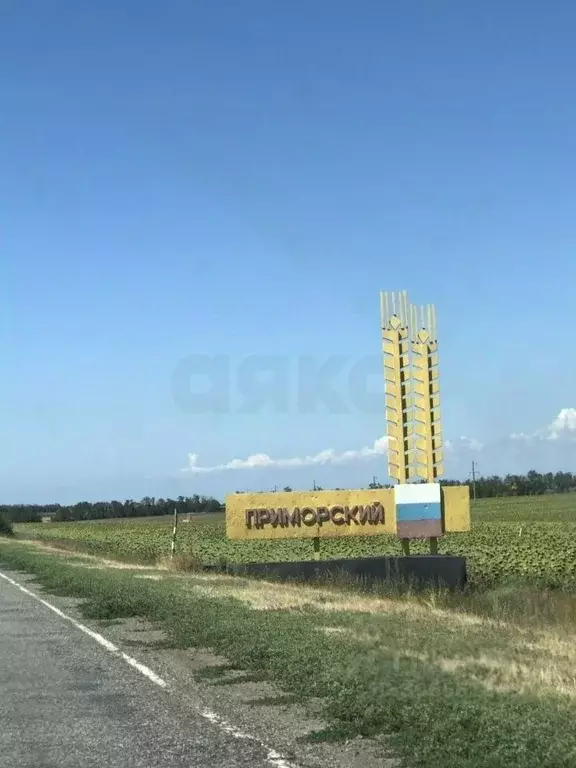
(5,527)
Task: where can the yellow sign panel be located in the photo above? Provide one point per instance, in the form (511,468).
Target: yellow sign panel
(456,508)
(310,514)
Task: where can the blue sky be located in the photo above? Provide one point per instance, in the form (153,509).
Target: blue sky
(240,179)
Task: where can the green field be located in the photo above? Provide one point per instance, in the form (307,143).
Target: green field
(527,538)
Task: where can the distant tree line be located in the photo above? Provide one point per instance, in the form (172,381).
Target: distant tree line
(531,484)
(89,510)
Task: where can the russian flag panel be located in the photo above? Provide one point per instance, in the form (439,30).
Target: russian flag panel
(418,510)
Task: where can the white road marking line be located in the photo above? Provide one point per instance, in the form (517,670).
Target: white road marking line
(272,757)
(146,671)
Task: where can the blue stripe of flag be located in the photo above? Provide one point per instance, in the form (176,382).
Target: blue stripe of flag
(419,511)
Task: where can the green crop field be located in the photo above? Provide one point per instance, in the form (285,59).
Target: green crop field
(531,538)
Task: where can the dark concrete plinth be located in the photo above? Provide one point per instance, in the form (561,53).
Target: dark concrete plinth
(422,571)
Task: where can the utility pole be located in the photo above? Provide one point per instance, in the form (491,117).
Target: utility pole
(474,480)
(174,532)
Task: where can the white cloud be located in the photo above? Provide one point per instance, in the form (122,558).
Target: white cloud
(563,427)
(470,443)
(262,460)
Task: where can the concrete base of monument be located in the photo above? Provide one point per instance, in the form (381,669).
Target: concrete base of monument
(447,571)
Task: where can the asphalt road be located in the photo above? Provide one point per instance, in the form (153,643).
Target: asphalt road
(67,702)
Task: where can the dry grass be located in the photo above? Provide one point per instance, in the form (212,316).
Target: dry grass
(268,596)
(83,558)
(496,654)
(179,563)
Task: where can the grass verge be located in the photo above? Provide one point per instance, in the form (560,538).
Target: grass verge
(451,690)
